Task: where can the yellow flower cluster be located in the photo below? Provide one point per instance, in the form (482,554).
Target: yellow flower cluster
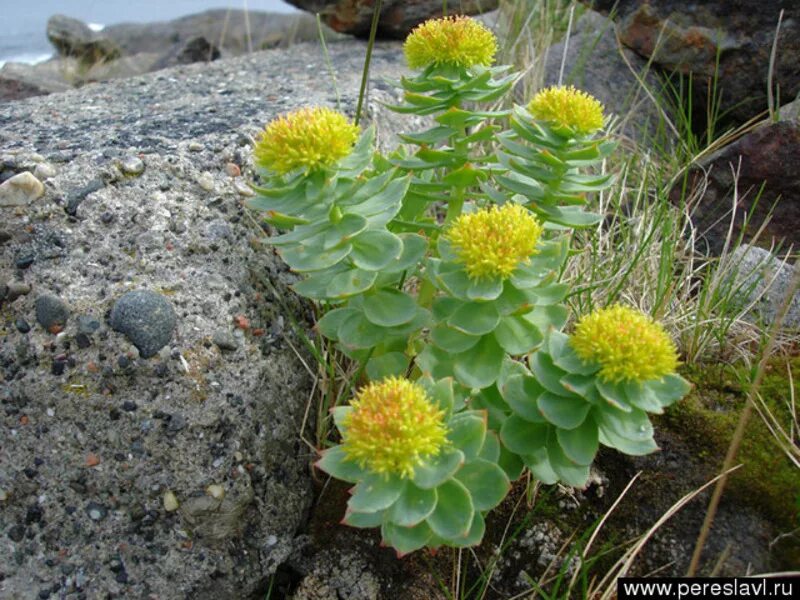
(494,241)
(629,345)
(309,138)
(393,427)
(569,108)
(455,41)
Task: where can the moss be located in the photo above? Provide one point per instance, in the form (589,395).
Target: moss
(707,418)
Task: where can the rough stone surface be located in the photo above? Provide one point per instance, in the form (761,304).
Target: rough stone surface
(190,417)
(688,36)
(74,38)
(764,281)
(398,17)
(596,63)
(20,190)
(147,319)
(767,156)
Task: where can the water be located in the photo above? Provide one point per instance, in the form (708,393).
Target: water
(23,23)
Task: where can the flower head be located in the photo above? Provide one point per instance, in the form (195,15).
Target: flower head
(308,138)
(393,427)
(629,345)
(569,108)
(494,241)
(455,41)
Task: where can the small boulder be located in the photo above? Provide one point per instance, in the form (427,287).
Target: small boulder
(146,318)
(51,313)
(20,190)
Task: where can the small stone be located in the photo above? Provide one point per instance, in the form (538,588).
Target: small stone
(23,262)
(5,236)
(51,312)
(216,491)
(205,181)
(44,171)
(96,512)
(17,289)
(146,318)
(83,341)
(132,165)
(124,362)
(16,533)
(224,340)
(107,217)
(129,406)
(3,495)
(58,368)
(195,147)
(22,325)
(92,460)
(170,502)
(77,196)
(233,170)
(87,324)
(243,188)
(176,423)
(20,190)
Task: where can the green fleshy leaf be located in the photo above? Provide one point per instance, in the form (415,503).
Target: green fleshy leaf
(491,447)
(453,340)
(510,368)
(522,392)
(343,231)
(421,319)
(517,335)
(405,539)
(626,446)
(438,469)
(642,397)
(581,385)
(349,283)
(567,471)
(389,308)
(523,437)
(490,400)
(298,235)
(566,413)
(454,511)
(486,482)
(548,375)
(413,506)
(454,279)
(414,247)
(313,258)
(475,534)
(336,464)
(355,331)
(479,366)
(467,432)
(382,207)
(443,307)
(374,250)
(375,492)
(514,301)
(539,464)
(428,137)
(363,520)
(330,322)
(386,365)
(484,289)
(315,286)
(545,317)
(670,388)
(580,444)
(634,425)
(434,362)
(339,413)
(613,394)
(511,463)
(475,318)
(441,392)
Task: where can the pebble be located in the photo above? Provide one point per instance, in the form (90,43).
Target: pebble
(224,340)
(15,289)
(233,170)
(196,147)
(22,325)
(77,196)
(170,502)
(129,406)
(146,318)
(96,512)
(51,312)
(44,171)
(20,190)
(132,165)
(3,495)
(16,533)
(243,188)
(87,324)
(205,181)
(5,236)
(216,491)
(23,262)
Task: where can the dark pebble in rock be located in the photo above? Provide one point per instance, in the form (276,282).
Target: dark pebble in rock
(22,325)
(5,236)
(176,423)
(129,406)
(34,514)
(224,340)
(51,311)
(107,217)
(59,366)
(122,577)
(23,262)
(147,319)
(96,512)
(124,362)
(87,324)
(16,533)
(83,340)
(75,197)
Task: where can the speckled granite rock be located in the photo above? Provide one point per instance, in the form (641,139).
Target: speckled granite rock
(97,442)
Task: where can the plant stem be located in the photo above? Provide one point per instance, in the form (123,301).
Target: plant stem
(376,13)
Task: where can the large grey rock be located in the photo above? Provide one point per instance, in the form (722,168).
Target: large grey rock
(73,38)
(730,40)
(397,19)
(109,435)
(621,79)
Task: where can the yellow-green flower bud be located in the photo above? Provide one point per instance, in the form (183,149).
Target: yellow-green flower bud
(494,241)
(569,108)
(453,41)
(393,427)
(628,345)
(309,138)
